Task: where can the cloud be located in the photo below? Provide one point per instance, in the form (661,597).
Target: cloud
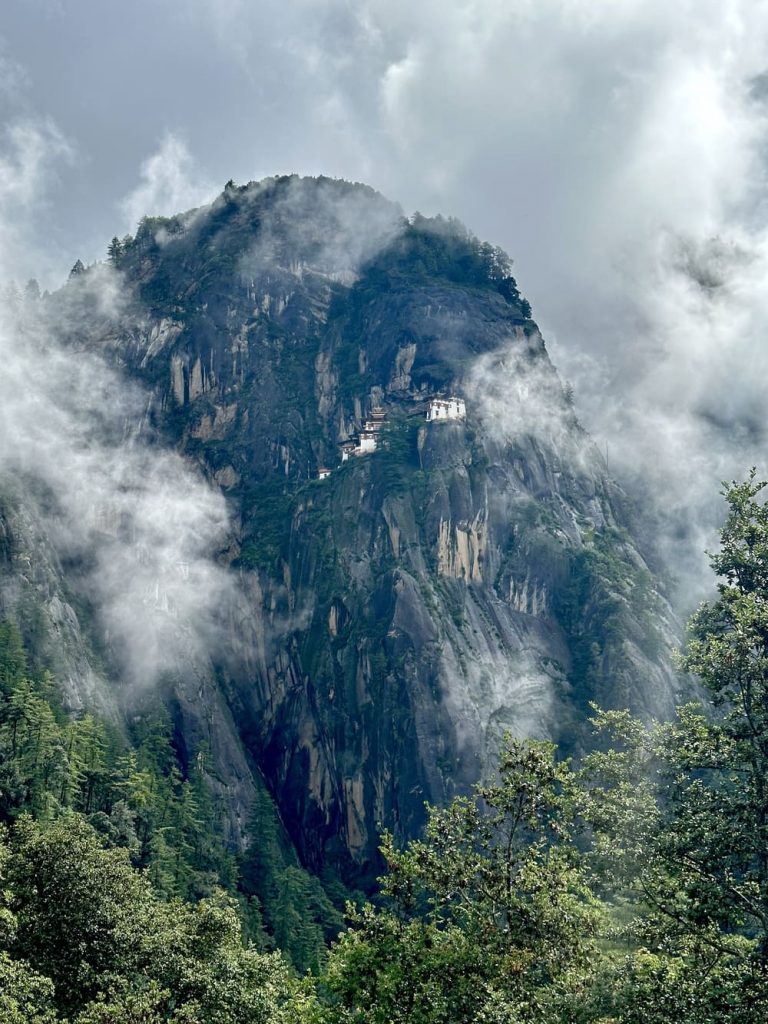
(321,226)
(171,183)
(31,151)
(13,78)
(32,148)
(140,528)
(518,394)
(682,404)
(616,148)
(618,151)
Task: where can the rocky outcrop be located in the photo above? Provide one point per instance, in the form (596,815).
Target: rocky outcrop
(466,578)
(36,594)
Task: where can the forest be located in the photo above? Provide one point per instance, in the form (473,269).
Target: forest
(628,886)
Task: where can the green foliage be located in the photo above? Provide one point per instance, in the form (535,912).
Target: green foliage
(395,469)
(722,768)
(439,247)
(489,917)
(25,996)
(102,945)
(268,511)
(679,809)
(296,913)
(79,909)
(136,797)
(140,798)
(115,252)
(13,660)
(632,890)
(666,842)
(604,592)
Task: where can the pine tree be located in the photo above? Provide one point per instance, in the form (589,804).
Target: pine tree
(728,650)
(115,251)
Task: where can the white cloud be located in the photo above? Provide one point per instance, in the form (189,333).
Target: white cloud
(132,511)
(171,182)
(13,78)
(618,150)
(31,152)
(599,141)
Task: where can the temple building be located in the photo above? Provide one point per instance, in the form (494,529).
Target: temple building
(368,438)
(452,408)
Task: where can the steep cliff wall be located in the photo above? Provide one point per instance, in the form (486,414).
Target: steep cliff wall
(467,577)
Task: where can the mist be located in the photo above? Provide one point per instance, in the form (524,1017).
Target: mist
(617,150)
(142,527)
(318,226)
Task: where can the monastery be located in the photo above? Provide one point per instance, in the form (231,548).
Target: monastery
(367,440)
(452,408)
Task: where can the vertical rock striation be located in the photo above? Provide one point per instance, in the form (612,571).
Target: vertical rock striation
(464,578)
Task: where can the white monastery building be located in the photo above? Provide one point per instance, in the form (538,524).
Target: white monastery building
(452,408)
(368,442)
(367,439)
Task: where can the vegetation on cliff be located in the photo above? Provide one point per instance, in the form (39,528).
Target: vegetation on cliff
(137,794)
(391,620)
(632,888)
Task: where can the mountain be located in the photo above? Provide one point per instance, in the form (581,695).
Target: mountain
(418,546)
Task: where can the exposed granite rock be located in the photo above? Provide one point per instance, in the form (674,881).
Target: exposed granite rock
(392,620)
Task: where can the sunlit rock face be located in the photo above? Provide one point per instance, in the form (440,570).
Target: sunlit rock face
(454,577)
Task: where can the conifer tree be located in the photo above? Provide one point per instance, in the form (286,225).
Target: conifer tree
(115,251)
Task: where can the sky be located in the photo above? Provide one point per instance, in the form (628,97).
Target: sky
(615,148)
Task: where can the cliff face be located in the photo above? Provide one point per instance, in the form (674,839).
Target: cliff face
(393,619)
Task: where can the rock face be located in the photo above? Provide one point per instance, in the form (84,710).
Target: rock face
(466,577)
(34,592)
